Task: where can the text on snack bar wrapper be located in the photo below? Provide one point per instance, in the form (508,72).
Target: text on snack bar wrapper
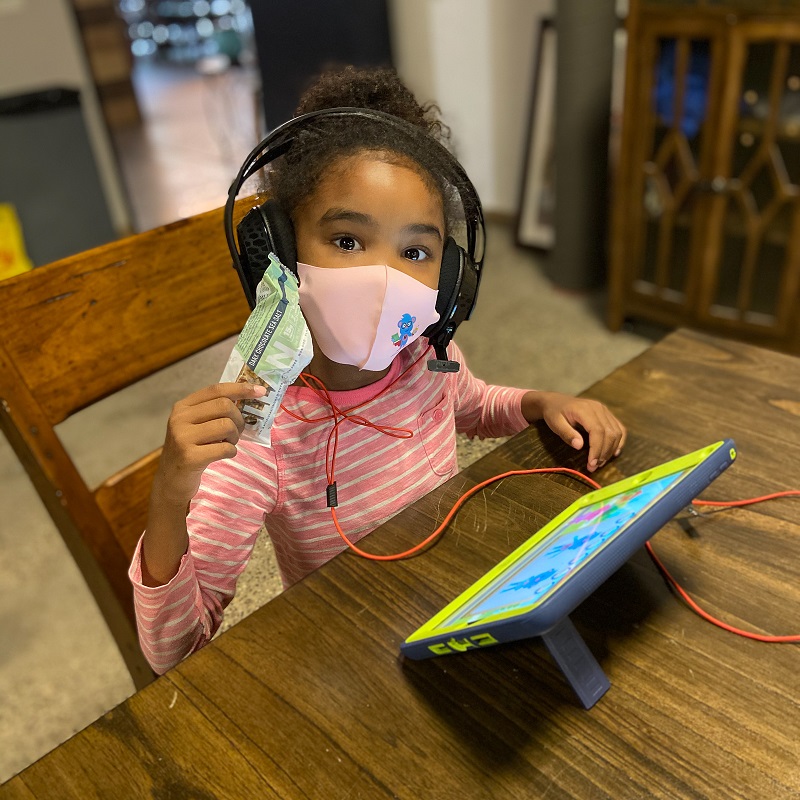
(266,336)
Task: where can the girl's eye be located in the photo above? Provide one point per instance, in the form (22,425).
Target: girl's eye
(415,254)
(348,243)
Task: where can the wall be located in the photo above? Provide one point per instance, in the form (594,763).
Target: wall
(476,59)
(40,47)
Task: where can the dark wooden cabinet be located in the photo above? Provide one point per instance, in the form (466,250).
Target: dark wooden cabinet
(108,51)
(706,217)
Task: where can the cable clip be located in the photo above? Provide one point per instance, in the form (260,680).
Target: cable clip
(330,492)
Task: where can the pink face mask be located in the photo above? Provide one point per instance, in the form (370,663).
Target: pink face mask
(364,316)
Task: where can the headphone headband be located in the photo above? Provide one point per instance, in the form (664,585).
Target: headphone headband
(280,140)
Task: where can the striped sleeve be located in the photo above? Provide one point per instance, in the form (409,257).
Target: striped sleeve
(170,619)
(484,410)
(226,515)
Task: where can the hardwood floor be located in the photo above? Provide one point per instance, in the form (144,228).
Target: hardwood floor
(197,131)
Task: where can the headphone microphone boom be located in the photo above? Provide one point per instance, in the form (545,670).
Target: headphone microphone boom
(267,228)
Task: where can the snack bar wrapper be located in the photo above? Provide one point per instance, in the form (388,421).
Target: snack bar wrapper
(272,349)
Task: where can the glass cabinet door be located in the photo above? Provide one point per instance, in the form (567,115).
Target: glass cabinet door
(676,150)
(671,171)
(752,259)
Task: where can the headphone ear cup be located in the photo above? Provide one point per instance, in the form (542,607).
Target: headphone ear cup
(449,282)
(280,234)
(263,230)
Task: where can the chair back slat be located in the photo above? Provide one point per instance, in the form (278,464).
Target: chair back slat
(122,499)
(84,327)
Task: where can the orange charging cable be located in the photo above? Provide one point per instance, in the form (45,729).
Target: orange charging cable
(460,502)
(339,416)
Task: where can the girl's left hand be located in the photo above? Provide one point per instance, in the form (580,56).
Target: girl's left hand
(563,413)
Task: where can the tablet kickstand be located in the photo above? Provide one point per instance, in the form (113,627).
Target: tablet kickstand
(576,661)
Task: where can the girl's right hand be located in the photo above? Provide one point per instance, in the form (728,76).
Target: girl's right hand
(202,428)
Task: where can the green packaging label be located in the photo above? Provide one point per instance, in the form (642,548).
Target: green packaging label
(272,349)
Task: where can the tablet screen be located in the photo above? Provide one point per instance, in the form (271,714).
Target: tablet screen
(537,574)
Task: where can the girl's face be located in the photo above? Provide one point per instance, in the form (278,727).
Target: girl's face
(366,211)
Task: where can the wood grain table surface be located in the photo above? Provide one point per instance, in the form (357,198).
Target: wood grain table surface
(310,698)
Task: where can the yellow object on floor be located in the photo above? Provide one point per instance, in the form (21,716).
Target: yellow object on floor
(13,258)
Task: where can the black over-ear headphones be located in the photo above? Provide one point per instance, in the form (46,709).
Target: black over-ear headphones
(268,229)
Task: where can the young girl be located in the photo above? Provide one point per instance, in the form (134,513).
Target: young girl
(356,207)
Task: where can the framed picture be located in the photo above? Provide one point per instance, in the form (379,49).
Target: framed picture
(535,224)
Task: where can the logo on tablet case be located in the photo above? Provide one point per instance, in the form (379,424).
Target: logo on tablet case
(453,645)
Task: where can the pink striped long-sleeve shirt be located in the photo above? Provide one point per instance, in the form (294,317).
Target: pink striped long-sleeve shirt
(284,487)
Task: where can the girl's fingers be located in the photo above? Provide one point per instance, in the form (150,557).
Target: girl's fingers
(205,454)
(216,430)
(623,438)
(218,408)
(192,457)
(230,391)
(562,427)
(606,437)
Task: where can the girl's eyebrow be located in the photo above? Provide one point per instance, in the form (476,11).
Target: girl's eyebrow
(422,228)
(346,215)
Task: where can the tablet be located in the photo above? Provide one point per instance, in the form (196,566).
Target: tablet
(533,589)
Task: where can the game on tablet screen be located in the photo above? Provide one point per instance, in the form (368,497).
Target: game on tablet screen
(575,542)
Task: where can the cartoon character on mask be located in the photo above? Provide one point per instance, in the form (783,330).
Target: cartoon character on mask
(407,330)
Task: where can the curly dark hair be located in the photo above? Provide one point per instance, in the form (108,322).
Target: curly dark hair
(294,177)
(380,89)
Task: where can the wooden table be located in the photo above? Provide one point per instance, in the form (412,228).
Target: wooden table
(309,697)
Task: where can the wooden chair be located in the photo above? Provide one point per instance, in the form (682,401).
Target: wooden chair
(80,329)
